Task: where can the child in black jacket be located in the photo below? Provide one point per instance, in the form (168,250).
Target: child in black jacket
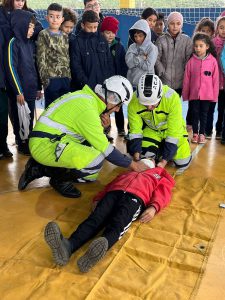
(21,73)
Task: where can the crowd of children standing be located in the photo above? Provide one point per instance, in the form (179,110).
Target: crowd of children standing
(59,60)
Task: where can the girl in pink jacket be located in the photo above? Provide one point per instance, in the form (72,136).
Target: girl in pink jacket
(201,83)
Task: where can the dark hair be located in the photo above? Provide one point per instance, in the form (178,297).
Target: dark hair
(148,12)
(205,22)
(133,31)
(9,4)
(89,16)
(69,15)
(33,20)
(161,17)
(86,1)
(199,36)
(55,7)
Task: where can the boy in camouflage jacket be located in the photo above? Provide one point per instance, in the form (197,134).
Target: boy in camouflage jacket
(53,56)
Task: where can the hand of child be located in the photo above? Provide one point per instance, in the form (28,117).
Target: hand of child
(20,99)
(148,214)
(136,156)
(105,118)
(39,95)
(162,163)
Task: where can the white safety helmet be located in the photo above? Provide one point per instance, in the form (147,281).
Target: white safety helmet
(148,162)
(149,89)
(119,86)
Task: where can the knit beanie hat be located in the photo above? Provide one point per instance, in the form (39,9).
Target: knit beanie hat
(110,24)
(175,16)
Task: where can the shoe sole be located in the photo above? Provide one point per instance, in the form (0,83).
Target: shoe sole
(22,177)
(52,237)
(95,252)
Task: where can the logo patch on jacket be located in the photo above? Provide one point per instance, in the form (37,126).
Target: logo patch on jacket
(157,176)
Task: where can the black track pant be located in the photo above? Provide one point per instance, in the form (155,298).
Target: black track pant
(116,211)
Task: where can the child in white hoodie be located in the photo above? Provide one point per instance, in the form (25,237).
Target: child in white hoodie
(142,54)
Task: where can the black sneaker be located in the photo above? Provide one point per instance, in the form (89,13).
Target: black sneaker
(32,171)
(60,246)
(121,132)
(23,148)
(218,135)
(96,251)
(66,189)
(110,138)
(223,141)
(208,136)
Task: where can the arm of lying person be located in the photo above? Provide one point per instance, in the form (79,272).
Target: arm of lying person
(148,214)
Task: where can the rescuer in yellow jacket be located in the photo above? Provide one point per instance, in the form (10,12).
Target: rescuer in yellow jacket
(68,143)
(156,125)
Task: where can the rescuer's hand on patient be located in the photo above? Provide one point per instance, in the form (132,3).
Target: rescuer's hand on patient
(105,118)
(148,214)
(162,163)
(138,166)
(136,156)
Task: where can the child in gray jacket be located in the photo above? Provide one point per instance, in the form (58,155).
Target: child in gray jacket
(142,54)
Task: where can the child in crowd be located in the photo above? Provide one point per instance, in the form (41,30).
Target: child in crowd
(109,28)
(175,49)
(122,201)
(142,54)
(91,60)
(223,70)
(151,16)
(219,41)
(201,84)
(69,21)
(21,72)
(93,5)
(159,25)
(53,56)
(4,150)
(205,25)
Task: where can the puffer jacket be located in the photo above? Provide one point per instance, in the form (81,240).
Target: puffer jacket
(140,59)
(172,58)
(201,79)
(153,187)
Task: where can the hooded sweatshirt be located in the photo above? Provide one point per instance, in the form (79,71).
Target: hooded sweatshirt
(140,58)
(20,64)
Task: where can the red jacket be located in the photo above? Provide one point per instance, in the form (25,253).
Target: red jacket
(153,186)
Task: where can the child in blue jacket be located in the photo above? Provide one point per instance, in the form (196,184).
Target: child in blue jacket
(21,71)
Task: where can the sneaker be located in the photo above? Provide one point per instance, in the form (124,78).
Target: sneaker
(222,141)
(32,171)
(218,136)
(195,138)
(201,139)
(23,148)
(1,155)
(95,252)
(60,246)
(121,132)
(208,136)
(66,189)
